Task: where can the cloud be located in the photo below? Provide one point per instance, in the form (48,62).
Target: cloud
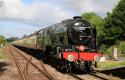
(81,6)
(44,12)
(38,13)
(48,13)
(12,28)
(14,9)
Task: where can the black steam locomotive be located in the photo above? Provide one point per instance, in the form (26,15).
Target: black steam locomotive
(70,44)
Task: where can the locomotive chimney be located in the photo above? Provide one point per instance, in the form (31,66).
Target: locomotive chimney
(77,17)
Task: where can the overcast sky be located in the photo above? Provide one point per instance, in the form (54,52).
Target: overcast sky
(19,17)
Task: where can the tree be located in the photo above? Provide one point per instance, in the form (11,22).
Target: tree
(11,39)
(96,21)
(115,24)
(2,40)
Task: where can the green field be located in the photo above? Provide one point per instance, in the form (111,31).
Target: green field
(110,64)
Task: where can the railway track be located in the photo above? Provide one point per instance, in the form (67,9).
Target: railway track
(94,76)
(103,76)
(27,69)
(43,72)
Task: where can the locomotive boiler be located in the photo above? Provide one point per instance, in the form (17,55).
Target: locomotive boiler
(70,44)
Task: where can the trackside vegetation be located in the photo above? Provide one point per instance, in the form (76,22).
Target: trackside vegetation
(2,41)
(110,64)
(111,29)
(3,56)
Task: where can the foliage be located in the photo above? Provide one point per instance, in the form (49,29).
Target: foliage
(115,25)
(121,46)
(11,39)
(2,40)
(111,30)
(105,49)
(97,22)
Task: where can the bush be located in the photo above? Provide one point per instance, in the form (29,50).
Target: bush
(105,49)
(121,46)
(2,41)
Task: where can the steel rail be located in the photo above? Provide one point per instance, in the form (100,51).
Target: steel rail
(23,77)
(38,69)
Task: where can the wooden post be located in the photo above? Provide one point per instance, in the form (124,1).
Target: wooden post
(115,53)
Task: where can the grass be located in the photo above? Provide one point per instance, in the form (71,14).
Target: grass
(111,64)
(122,55)
(3,56)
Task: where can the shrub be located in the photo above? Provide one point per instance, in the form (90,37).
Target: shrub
(121,46)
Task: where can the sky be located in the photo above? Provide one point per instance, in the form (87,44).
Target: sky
(20,17)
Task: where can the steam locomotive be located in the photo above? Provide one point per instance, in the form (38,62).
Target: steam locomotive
(70,44)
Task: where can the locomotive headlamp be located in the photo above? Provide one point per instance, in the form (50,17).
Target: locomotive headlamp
(81,48)
(71,58)
(97,58)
